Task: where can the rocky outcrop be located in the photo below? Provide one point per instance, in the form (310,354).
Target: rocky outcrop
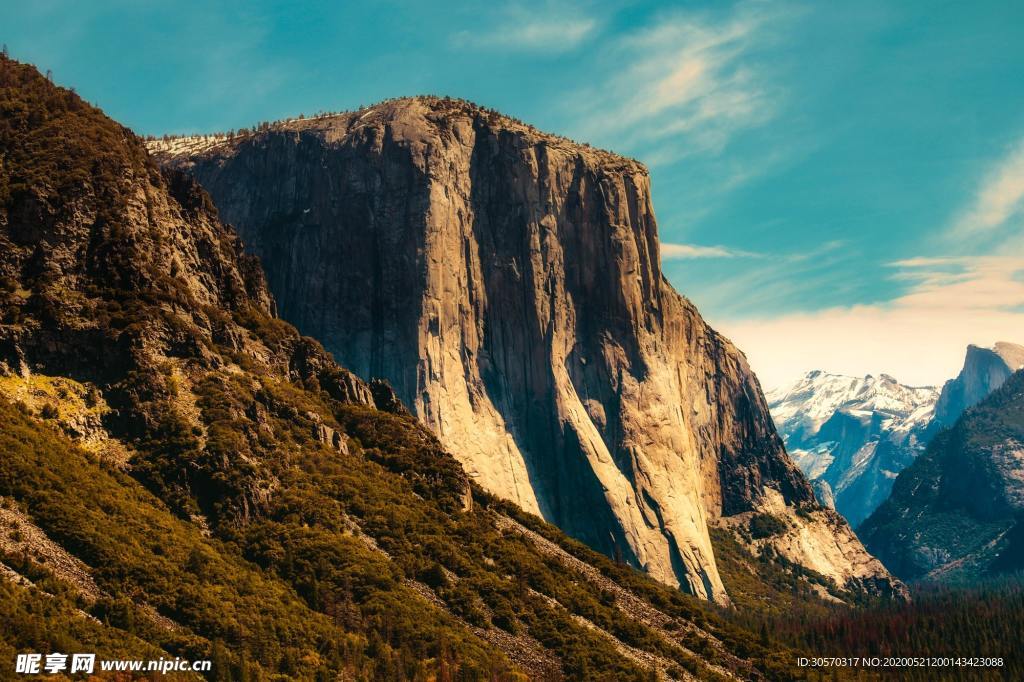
(818,540)
(508,285)
(327,435)
(19,537)
(851,436)
(984,370)
(823,493)
(956,512)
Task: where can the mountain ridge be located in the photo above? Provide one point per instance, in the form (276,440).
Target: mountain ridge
(188,145)
(852,435)
(955,513)
(984,370)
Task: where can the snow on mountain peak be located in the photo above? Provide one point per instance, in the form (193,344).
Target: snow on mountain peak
(811,400)
(851,435)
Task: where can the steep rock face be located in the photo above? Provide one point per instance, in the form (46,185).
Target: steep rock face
(823,493)
(851,436)
(984,370)
(508,285)
(956,512)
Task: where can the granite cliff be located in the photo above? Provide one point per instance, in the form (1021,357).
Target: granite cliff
(508,284)
(984,370)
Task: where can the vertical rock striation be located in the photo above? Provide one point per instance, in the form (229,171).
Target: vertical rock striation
(508,285)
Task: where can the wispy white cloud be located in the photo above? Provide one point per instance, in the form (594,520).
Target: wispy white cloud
(684,85)
(772,280)
(965,283)
(693,84)
(918,337)
(520,27)
(672,251)
(999,198)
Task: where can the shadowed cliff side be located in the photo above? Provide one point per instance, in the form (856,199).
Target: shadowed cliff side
(984,370)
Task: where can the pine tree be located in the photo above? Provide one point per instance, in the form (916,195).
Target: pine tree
(219,662)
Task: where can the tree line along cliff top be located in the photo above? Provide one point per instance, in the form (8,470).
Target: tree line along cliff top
(428,108)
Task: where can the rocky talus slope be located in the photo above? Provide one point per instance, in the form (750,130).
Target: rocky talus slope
(508,284)
(984,370)
(956,513)
(851,436)
(183,474)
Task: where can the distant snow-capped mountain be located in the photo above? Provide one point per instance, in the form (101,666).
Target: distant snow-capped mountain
(851,436)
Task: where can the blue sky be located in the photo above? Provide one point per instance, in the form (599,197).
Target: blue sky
(838,185)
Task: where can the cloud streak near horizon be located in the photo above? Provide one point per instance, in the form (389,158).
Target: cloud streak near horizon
(674,251)
(918,337)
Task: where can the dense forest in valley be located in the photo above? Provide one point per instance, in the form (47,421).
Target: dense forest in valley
(941,621)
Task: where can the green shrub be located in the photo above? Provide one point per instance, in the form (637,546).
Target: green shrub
(766,526)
